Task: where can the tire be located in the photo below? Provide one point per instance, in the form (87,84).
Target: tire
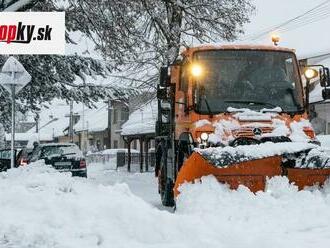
(165,185)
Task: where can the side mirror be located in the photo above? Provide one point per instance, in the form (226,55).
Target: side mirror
(326,94)
(161,93)
(164,79)
(324,76)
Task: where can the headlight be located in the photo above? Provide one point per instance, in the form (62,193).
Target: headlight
(204,136)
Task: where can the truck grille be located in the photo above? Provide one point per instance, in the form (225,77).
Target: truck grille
(248,131)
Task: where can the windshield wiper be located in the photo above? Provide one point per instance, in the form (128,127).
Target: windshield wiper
(251,102)
(203,95)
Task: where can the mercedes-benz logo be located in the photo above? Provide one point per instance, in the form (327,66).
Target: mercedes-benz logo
(257,131)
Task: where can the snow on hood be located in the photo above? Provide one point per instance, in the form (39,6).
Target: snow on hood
(245,120)
(224,156)
(316,157)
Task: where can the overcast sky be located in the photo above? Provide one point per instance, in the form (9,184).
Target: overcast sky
(308,40)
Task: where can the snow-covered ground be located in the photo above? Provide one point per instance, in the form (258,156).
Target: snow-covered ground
(43,208)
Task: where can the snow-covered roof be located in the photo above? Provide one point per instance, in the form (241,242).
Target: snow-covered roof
(30,136)
(93,120)
(142,120)
(53,118)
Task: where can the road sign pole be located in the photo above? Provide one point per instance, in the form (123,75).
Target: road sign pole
(13,77)
(12,125)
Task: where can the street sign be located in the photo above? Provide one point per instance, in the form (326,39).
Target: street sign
(13,77)
(14,74)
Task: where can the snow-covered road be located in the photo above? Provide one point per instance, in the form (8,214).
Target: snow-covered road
(143,185)
(43,208)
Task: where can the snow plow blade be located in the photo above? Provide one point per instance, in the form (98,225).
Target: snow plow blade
(307,177)
(251,174)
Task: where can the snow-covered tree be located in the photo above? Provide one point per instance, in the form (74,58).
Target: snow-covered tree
(2,137)
(148,33)
(71,77)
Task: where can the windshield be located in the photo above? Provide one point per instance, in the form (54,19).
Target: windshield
(247,79)
(54,151)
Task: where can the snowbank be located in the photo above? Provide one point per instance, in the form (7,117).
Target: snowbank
(43,208)
(279,217)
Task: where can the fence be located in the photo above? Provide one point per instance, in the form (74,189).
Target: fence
(120,159)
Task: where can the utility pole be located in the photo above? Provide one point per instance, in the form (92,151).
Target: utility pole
(71,122)
(12,159)
(36,119)
(109,122)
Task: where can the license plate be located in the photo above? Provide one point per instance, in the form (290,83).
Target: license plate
(62,163)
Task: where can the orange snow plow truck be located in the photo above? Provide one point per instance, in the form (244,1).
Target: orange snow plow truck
(241,114)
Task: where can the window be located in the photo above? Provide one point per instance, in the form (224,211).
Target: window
(184,78)
(124,114)
(328,130)
(115,144)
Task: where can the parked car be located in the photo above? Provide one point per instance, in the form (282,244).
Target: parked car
(5,158)
(23,156)
(62,156)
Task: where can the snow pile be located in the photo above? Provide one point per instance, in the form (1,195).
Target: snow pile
(281,216)
(41,207)
(224,156)
(279,129)
(245,114)
(297,130)
(223,131)
(201,123)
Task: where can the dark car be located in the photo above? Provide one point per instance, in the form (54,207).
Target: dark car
(5,158)
(62,156)
(23,156)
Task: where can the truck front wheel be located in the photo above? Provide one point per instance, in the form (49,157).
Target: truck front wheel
(165,185)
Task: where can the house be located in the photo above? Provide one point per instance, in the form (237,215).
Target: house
(100,128)
(139,131)
(119,115)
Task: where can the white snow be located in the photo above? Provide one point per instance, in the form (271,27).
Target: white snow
(30,137)
(224,156)
(142,120)
(201,123)
(115,151)
(224,129)
(94,120)
(43,208)
(297,130)
(325,140)
(279,217)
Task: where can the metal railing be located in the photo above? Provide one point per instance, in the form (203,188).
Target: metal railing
(120,159)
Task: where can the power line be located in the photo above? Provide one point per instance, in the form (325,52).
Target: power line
(317,13)
(299,20)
